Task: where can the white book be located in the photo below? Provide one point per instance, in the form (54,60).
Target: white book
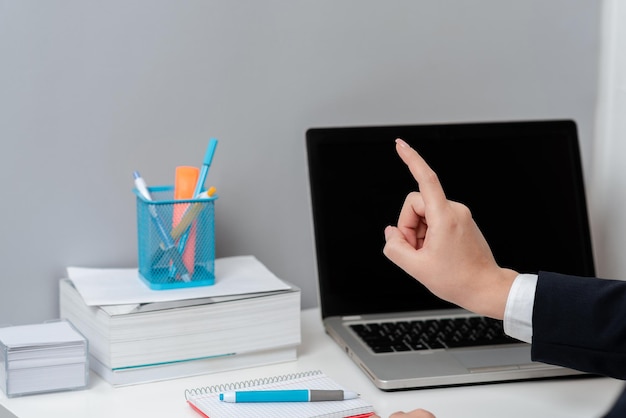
(173,370)
(145,335)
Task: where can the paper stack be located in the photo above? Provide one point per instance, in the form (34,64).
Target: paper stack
(42,358)
(248,318)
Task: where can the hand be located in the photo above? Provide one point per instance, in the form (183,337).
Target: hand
(439,244)
(416,413)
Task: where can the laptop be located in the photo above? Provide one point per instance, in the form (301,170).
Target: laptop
(523,182)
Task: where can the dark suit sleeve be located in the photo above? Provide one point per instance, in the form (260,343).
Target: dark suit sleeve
(618,410)
(580,323)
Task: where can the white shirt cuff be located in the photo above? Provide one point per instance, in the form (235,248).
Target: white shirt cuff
(518,314)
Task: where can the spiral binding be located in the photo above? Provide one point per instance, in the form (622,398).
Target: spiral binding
(224,387)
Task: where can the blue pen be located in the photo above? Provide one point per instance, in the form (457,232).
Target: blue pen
(297,395)
(169,246)
(206,164)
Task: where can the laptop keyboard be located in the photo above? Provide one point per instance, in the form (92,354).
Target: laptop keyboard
(385,337)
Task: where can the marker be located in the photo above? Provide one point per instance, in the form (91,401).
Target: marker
(169,247)
(185,180)
(298,395)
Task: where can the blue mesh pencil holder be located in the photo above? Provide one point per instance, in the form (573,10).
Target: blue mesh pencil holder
(175,240)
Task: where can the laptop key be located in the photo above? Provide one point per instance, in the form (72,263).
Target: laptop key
(432,334)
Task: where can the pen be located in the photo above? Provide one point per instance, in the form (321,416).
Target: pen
(206,164)
(141,186)
(169,246)
(190,214)
(298,395)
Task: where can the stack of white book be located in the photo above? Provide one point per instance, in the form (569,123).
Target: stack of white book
(40,358)
(248,318)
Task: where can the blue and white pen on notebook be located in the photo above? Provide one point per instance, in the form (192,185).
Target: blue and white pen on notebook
(297,395)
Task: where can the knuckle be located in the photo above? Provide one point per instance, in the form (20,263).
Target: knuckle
(411,196)
(462,210)
(388,250)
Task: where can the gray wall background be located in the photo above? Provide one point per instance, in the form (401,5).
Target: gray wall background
(92,90)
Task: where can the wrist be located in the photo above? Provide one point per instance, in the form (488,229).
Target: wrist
(502,292)
(491,299)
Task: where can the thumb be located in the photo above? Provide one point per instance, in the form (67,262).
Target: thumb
(393,234)
(397,248)
(389,231)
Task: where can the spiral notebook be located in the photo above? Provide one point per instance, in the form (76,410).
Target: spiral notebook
(206,401)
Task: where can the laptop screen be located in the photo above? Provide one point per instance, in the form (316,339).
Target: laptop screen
(522,181)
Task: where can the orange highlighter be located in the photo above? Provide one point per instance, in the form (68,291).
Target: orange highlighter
(184,186)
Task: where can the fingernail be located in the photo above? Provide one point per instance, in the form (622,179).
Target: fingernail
(387,232)
(402,143)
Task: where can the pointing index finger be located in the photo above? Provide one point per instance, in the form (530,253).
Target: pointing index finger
(429,184)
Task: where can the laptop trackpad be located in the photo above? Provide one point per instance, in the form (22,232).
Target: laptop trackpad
(488,357)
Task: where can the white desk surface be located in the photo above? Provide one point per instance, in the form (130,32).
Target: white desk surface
(568,398)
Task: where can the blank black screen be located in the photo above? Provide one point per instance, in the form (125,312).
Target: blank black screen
(522,181)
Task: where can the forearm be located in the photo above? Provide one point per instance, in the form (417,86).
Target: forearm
(578,322)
